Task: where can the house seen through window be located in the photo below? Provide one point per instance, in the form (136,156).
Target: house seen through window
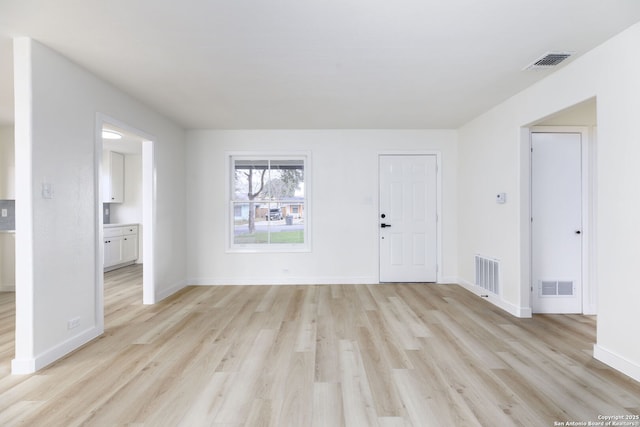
(268,201)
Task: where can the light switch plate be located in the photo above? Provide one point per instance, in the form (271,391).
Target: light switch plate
(4,213)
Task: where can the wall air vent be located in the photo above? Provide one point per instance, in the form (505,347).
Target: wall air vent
(548,60)
(556,288)
(488,274)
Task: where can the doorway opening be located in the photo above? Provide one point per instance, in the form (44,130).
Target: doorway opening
(579,120)
(125,205)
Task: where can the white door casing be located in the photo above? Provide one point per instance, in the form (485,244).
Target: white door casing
(408,218)
(556,225)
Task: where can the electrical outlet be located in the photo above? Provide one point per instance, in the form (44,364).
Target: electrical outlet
(73,323)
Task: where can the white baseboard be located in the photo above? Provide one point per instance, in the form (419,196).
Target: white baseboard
(268,281)
(512,309)
(117,266)
(165,293)
(327,280)
(31,365)
(617,362)
(23,366)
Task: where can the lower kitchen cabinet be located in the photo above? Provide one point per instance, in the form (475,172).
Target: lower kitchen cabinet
(120,246)
(129,247)
(112,251)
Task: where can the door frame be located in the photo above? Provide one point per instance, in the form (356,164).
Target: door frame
(587,209)
(148,212)
(438,156)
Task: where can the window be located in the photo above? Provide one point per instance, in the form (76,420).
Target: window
(268,203)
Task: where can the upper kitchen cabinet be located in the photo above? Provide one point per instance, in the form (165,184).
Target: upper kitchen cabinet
(7,164)
(113,177)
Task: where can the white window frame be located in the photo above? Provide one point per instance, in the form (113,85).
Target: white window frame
(232,247)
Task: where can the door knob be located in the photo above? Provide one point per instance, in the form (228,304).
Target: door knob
(385,225)
(578,232)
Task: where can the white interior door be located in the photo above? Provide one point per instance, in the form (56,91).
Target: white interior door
(408,218)
(556,227)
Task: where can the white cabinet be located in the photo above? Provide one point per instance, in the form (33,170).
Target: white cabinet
(120,246)
(112,251)
(129,247)
(112,177)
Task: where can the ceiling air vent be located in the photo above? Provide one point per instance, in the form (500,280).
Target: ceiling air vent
(548,60)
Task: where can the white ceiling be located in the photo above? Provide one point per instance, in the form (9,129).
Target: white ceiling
(248,64)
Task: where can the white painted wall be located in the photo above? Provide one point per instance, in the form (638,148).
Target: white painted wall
(130,211)
(584,114)
(344,199)
(59,268)
(493,158)
(7,163)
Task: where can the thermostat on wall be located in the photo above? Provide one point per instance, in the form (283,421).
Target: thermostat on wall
(501,198)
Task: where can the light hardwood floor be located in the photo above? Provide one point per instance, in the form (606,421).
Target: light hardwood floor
(369,355)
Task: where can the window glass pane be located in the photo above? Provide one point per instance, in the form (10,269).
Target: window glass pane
(255,222)
(286,179)
(250,178)
(240,221)
(244,224)
(291,228)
